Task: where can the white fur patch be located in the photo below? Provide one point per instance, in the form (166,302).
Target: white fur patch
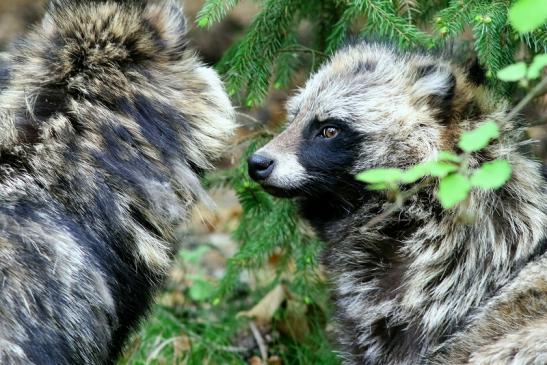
(287,173)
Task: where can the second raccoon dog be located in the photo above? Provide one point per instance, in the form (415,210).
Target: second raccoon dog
(107,119)
(421,286)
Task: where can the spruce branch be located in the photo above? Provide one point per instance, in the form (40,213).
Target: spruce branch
(536,40)
(494,48)
(383,19)
(213,11)
(340,29)
(451,20)
(250,62)
(407,8)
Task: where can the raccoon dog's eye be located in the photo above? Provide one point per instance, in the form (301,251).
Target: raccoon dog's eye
(329,132)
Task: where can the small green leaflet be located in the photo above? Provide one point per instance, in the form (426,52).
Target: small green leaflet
(453,189)
(514,72)
(384,178)
(479,138)
(414,174)
(492,175)
(540,61)
(432,168)
(380,175)
(440,168)
(378,186)
(449,156)
(527,15)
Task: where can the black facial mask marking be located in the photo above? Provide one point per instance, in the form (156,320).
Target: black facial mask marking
(331,189)
(323,157)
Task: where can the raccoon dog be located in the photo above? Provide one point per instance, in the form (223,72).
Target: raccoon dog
(421,286)
(106,120)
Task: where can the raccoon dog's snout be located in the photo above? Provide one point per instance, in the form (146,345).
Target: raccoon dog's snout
(260,167)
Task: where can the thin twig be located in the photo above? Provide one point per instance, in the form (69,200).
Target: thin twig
(401,199)
(385,214)
(221,348)
(200,339)
(255,122)
(154,354)
(260,342)
(303,49)
(539,122)
(527,99)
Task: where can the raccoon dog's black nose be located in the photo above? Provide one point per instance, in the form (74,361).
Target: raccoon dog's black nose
(260,167)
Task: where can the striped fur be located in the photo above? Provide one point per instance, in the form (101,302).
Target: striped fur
(107,120)
(425,285)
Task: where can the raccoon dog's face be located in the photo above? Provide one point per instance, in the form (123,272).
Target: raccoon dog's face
(369,106)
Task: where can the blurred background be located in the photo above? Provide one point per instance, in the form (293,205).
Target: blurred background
(191,324)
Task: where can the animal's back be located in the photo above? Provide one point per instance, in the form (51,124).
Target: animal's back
(510,328)
(106,122)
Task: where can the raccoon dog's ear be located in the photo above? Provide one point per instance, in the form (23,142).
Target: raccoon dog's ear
(475,71)
(59,4)
(167,18)
(435,85)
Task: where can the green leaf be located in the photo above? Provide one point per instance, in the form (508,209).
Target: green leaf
(201,289)
(433,168)
(380,175)
(527,15)
(540,61)
(492,175)
(379,186)
(514,72)
(415,173)
(440,168)
(453,189)
(479,138)
(449,156)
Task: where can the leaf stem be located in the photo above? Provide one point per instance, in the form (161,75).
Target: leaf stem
(401,199)
(538,89)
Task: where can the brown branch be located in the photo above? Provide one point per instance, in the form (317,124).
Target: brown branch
(539,122)
(399,202)
(536,91)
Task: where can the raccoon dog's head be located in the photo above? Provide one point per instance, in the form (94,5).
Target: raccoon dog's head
(116,68)
(369,106)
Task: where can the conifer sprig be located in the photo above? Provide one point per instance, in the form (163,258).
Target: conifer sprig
(493,42)
(270,51)
(213,11)
(249,64)
(452,20)
(382,19)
